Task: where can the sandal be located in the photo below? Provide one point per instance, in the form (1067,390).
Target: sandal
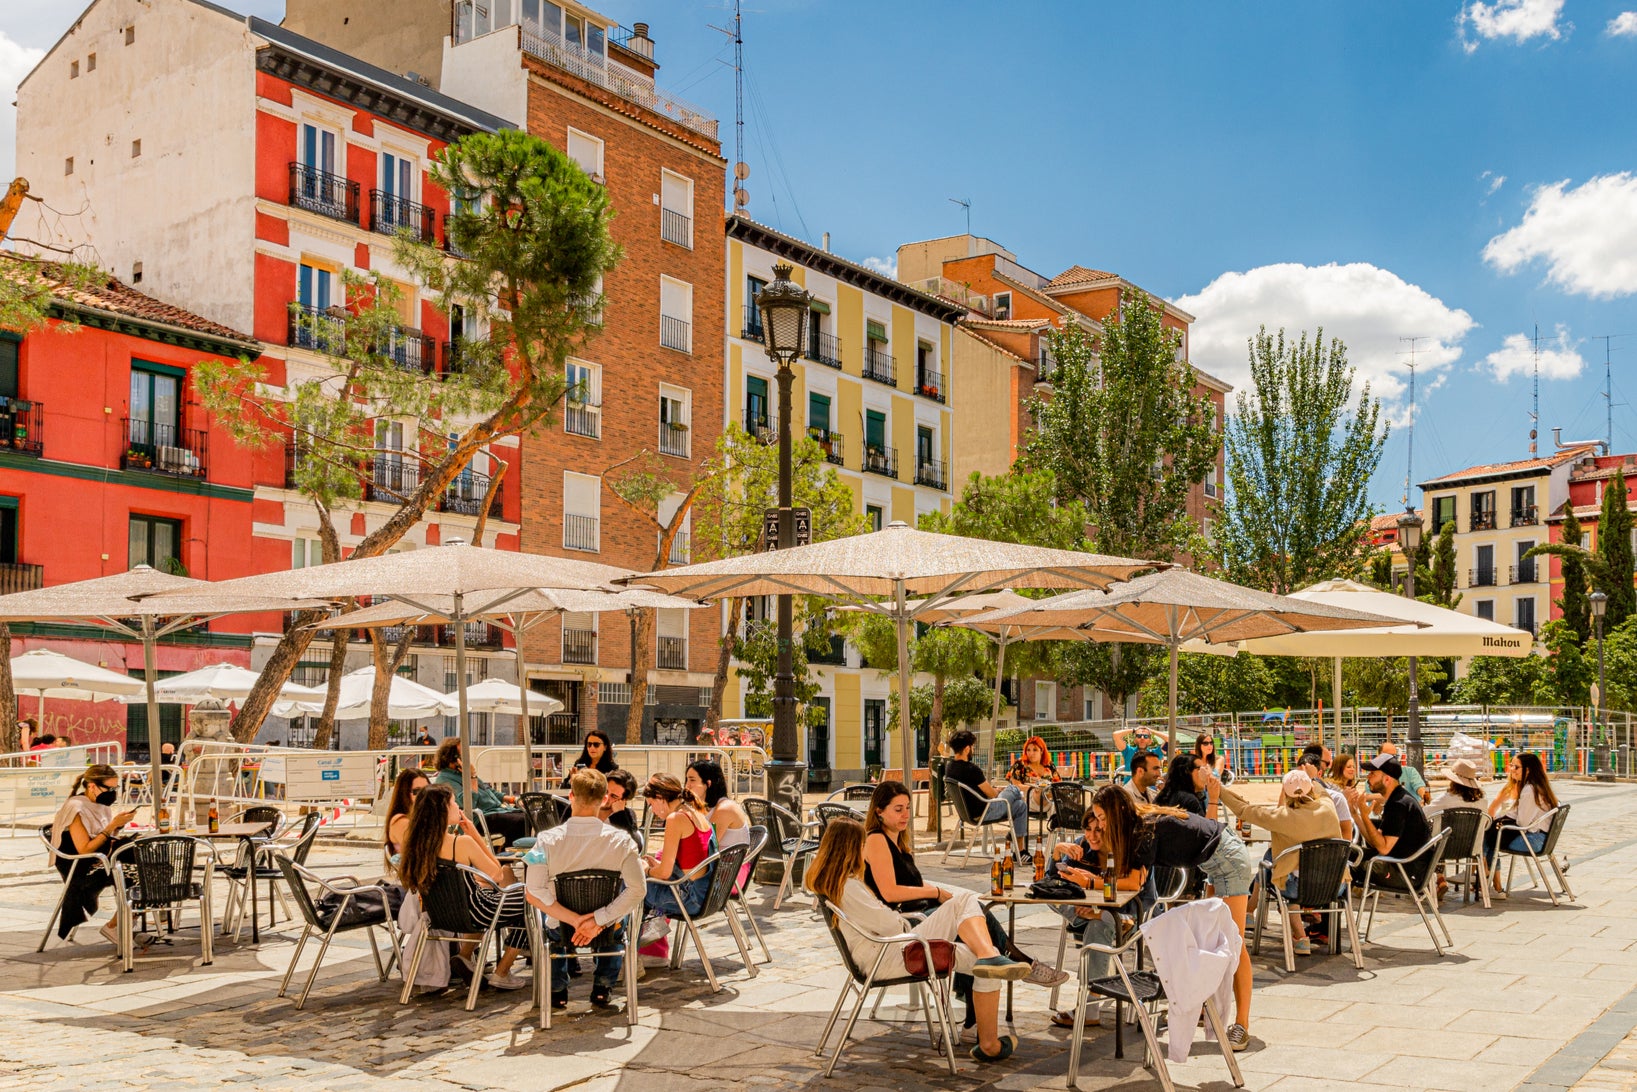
(1008,1043)
(1065,1019)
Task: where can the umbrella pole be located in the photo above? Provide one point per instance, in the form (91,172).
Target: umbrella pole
(150,676)
(905,719)
(523,700)
(1335,711)
(1171,711)
(463,730)
(1000,673)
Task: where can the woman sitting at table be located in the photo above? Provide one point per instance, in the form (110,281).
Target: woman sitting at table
(1184,787)
(1032,769)
(689,839)
(1521,811)
(1304,812)
(406,789)
(88,823)
(837,875)
(596,753)
(439,833)
(1090,856)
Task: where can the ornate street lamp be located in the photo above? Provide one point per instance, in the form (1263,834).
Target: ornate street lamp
(785,309)
(1600,743)
(1409,541)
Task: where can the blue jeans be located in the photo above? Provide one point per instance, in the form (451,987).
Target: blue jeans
(607,969)
(1010,801)
(664,900)
(1512,839)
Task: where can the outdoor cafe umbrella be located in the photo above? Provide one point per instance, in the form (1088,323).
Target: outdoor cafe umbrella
(53,675)
(406,699)
(1175,606)
(224,682)
(507,699)
(125,603)
(1424,629)
(516,616)
(476,580)
(879,571)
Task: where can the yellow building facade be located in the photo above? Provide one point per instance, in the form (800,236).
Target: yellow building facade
(873,388)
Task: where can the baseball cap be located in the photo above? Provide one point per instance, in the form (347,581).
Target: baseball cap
(1297,783)
(1388,765)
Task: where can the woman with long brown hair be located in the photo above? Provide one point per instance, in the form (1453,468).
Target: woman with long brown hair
(1083,862)
(837,876)
(689,839)
(408,785)
(1521,811)
(88,823)
(438,835)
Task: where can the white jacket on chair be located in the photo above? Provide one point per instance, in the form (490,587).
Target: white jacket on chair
(1196,950)
(412,922)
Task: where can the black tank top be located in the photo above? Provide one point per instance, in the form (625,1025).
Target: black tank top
(904,874)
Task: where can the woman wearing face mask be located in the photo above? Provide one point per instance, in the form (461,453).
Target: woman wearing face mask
(88,823)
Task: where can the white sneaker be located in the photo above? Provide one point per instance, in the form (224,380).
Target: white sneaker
(1043,974)
(507,981)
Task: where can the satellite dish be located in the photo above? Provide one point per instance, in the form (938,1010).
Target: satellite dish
(741,198)
(741,171)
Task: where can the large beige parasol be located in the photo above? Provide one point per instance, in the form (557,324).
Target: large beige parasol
(881,570)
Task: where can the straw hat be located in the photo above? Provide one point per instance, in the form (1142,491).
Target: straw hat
(1463,771)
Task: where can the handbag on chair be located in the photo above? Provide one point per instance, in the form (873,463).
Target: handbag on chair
(943,957)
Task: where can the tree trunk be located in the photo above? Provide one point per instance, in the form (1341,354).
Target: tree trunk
(642,636)
(381,690)
(286,654)
(724,660)
(9,735)
(332,689)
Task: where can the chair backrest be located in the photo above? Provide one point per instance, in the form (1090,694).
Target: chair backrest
(833,920)
(1170,882)
(541,810)
(824,813)
(445,902)
(297,885)
(1423,868)
(589,889)
(262,813)
(164,870)
(723,879)
(1068,805)
(763,813)
(1560,816)
(858,792)
(1466,831)
(309,834)
(969,803)
(753,850)
(1321,866)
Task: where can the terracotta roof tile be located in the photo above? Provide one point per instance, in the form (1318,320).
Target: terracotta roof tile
(118,298)
(1079,274)
(1488,470)
(1008,324)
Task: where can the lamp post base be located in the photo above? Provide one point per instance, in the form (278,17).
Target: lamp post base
(1600,762)
(786,781)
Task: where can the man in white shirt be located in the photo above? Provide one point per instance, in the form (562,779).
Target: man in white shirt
(1145,776)
(584,842)
(1315,761)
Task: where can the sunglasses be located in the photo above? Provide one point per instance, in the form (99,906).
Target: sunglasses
(593,743)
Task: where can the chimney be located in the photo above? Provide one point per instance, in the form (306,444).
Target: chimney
(826,242)
(640,42)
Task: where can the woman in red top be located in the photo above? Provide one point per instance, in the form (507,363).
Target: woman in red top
(689,839)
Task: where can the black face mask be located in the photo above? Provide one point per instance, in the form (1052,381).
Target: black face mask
(106,797)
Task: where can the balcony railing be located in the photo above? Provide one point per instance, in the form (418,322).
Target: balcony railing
(1481,578)
(930,384)
(1525,624)
(478,635)
(681,548)
(322,331)
(458,357)
(753,326)
(673,654)
(760,428)
(1044,370)
(673,439)
(1526,516)
(389,215)
(583,418)
(931,472)
(1524,572)
(464,495)
(411,350)
(580,533)
(878,365)
(22,426)
(823,348)
(392,480)
(16,577)
(833,443)
(675,333)
(836,654)
(675,227)
(881,460)
(448,243)
(324,193)
(162,448)
(1483,520)
(579,646)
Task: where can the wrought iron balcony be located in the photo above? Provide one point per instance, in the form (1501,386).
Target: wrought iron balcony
(583,418)
(465,494)
(835,655)
(675,227)
(16,577)
(392,479)
(930,384)
(1524,572)
(322,331)
(753,326)
(681,548)
(449,243)
(22,426)
(878,365)
(460,355)
(580,533)
(1526,516)
(673,654)
(1528,626)
(833,443)
(324,193)
(823,348)
(1483,520)
(163,448)
(673,439)
(760,428)
(675,333)
(411,350)
(390,215)
(881,460)
(478,635)
(579,646)
(931,472)
(1481,578)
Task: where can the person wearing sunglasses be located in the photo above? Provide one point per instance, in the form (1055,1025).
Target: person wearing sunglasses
(409,785)
(88,823)
(597,753)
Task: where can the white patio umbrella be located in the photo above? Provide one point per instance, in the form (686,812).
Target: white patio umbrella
(477,581)
(225,682)
(1425,630)
(406,699)
(125,604)
(500,696)
(881,570)
(516,616)
(50,674)
(1175,606)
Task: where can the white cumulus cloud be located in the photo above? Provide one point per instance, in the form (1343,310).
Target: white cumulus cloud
(1586,235)
(1369,308)
(887,267)
(1559,357)
(1519,20)
(1623,25)
(16,61)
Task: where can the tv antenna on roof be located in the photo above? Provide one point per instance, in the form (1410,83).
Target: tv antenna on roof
(1409,457)
(965,203)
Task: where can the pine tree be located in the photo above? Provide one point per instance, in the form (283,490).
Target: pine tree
(1576,607)
(1614,551)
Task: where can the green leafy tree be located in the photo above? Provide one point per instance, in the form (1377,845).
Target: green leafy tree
(1384,682)
(1571,669)
(1614,551)
(1300,453)
(1020,506)
(1620,665)
(1211,684)
(1437,583)
(1505,680)
(1381,569)
(1576,602)
(534,230)
(757,651)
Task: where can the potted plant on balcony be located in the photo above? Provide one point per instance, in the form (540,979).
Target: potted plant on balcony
(135,457)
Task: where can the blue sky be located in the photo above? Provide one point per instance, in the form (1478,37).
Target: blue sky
(1387,170)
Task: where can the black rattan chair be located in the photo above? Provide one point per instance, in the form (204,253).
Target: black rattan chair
(785,835)
(543,810)
(854,792)
(449,913)
(362,906)
(154,875)
(824,813)
(1322,887)
(1465,852)
(1069,800)
(586,892)
(724,878)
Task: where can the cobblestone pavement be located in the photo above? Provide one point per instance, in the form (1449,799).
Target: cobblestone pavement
(1532,996)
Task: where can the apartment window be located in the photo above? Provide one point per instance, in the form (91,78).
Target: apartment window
(394,479)
(818,415)
(1523,614)
(90,63)
(929,469)
(156,541)
(676,314)
(68,165)
(671,627)
(9,386)
(73,70)
(1483,567)
(580,639)
(752,329)
(1485,609)
(587,151)
(305,552)
(583,33)
(1483,511)
(822,345)
(875,731)
(878,456)
(1045,701)
(318,147)
(582,410)
(1443,511)
(1524,513)
(676,209)
(758,408)
(155,409)
(873,516)
(675,404)
(582,511)
(130,35)
(1003,305)
(9,542)
(1524,571)
(878,362)
(929,382)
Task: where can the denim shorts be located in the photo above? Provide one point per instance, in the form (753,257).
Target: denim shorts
(1232,868)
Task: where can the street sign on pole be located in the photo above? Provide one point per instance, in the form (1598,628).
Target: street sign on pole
(804,525)
(770,527)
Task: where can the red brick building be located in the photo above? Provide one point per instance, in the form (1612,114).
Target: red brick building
(1589,477)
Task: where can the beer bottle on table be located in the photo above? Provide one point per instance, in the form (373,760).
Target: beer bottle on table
(163,821)
(1108,881)
(1039,864)
(996,880)
(215,817)
(1006,871)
